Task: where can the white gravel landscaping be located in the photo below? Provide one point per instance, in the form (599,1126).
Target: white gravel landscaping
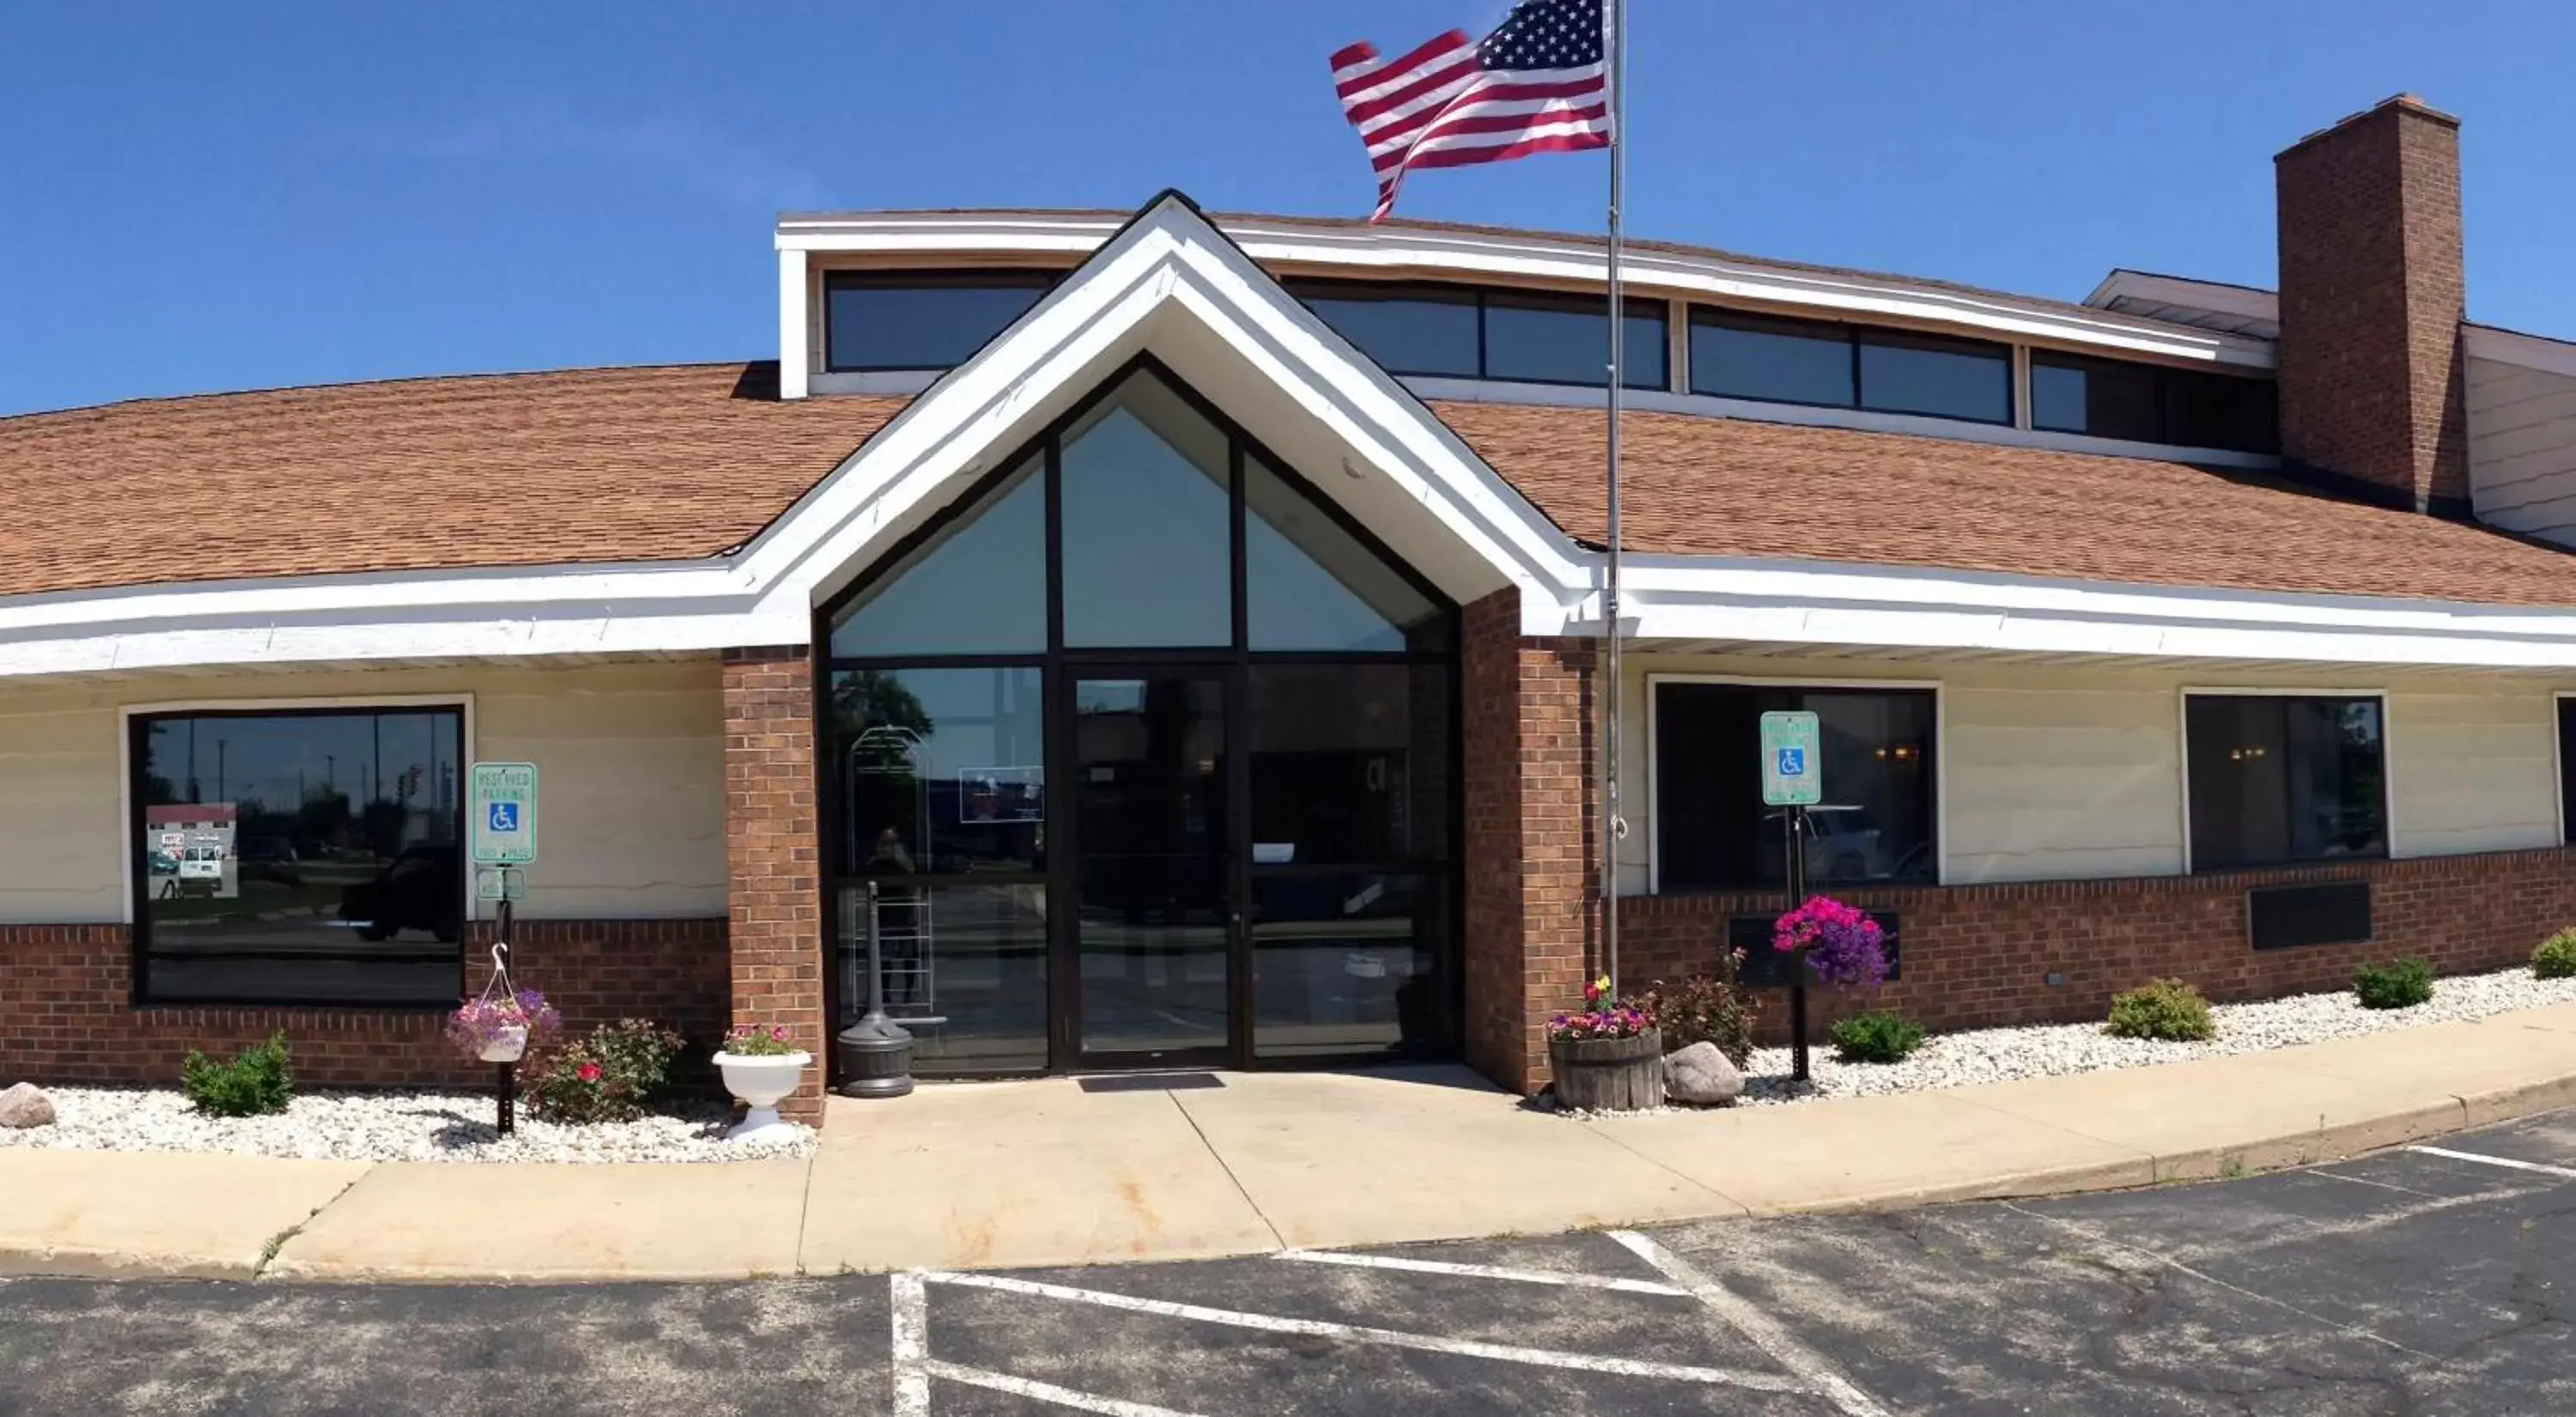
(2002,1054)
(389,1126)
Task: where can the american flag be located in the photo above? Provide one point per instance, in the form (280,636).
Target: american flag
(1538,84)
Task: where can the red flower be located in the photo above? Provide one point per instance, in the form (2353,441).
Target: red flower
(587,1072)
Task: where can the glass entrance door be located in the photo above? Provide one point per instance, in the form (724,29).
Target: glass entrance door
(1154,914)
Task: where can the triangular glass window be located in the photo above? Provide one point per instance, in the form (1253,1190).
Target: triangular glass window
(1146,549)
(979,587)
(1312,585)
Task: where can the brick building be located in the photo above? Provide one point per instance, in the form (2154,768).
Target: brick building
(1179,636)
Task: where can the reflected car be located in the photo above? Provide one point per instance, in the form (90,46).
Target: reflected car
(417,890)
(270,858)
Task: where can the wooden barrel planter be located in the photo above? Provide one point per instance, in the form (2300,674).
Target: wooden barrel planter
(1609,1074)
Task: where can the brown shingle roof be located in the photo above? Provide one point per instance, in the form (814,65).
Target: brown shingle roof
(489,470)
(684,462)
(1733,488)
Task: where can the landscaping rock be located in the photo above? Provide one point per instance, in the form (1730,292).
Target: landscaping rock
(25,1106)
(1701,1074)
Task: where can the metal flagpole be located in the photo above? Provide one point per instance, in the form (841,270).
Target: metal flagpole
(1612,826)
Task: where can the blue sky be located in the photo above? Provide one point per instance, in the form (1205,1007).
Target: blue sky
(198,197)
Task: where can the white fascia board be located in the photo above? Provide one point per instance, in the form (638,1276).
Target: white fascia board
(2242,302)
(2553,356)
(1531,257)
(1786,602)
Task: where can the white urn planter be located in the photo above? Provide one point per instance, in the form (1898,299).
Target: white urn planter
(760,1082)
(505,1045)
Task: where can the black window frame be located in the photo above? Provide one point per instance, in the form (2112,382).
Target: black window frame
(1855,338)
(2565,710)
(1040,281)
(138,729)
(1483,298)
(1662,818)
(2171,386)
(2198,862)
(1440,866)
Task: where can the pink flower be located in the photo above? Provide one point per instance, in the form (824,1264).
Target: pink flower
(587,1072)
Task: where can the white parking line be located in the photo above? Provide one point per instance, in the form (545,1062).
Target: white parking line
(1316,1328)
(1047,1392)
(2504,1161)
(1484,1271)
(1768,1334)
(910,1355)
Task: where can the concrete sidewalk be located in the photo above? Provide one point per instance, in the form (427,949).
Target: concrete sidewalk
(1044,1172)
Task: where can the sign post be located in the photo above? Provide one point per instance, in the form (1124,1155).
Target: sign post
(1793,780)
(501,839)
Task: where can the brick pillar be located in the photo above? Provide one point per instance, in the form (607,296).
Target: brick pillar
(1529,779)
(772,850)
(2373,289)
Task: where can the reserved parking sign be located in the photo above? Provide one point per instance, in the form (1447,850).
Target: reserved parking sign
(1792,774)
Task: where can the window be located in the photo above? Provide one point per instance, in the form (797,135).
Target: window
(2566,768)
(1775,360)
(2148,403)
(1463,332)
(1712,830)
(299,856)
(920,321)
(2283,778)
(1946,378)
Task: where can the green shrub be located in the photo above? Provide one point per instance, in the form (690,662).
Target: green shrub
(2556,957)
(1706,1009)
(1876,1036)
(255,1084)
(2166,1009)
(608,1077)
(2398,984)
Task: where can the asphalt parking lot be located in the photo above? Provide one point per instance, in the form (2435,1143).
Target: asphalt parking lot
(2410,1282)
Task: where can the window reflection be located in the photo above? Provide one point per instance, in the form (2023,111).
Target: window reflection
(1347,763)
(944,770)
(301,857)
(920,321)
(1147,554)
(2279,778)
(1345,963)
(978,587)
(1311,585)
(1712,829)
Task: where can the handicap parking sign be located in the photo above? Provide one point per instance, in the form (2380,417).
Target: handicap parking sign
(504,815)
(1791,774)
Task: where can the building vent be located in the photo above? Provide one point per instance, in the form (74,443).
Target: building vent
(2284,917)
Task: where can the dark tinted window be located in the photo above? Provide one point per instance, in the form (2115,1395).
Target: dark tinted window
(1467,333)
(1346,763)
(979,587)
(1309,584)
(1407,329)
(1549,341)
(2566,768)
(1946,378)
(1711,827)
(301,857)
(919,321)
(2148,403)
(2278,778)
(1778,361)
(942,771)
(1147,552)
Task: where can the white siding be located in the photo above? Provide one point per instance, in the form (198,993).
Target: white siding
(2048,774)
(2522,448)
(631,757)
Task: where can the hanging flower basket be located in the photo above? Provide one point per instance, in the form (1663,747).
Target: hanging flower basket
(498,1028)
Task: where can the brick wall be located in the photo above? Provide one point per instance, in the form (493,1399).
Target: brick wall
(1978,956)
(773,846)
(2373,289)
(1527,759)
(66,1011)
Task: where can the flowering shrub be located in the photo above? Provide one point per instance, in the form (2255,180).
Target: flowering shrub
(475,1026)
(1707,1009)
(1844,946)
(607,1077)
(1602,1016)
(754,1040)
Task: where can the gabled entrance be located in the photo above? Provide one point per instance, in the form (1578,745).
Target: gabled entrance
(1149,754)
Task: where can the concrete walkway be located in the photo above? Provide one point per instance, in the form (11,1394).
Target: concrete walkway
(1046,1172)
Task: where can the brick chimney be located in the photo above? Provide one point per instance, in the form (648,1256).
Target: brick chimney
(2373,288)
